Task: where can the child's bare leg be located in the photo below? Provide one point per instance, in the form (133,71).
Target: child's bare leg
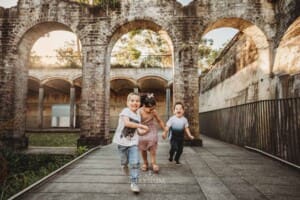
(153,160)
(145,160)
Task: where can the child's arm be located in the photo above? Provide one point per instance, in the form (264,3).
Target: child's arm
(164,134)
(187,131)
(130,124)
(159,121)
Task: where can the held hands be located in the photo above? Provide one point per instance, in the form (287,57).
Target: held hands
(164,135)
(191,137)
(142,129)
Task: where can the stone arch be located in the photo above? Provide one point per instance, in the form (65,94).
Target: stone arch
(126,26)
(119,89)
(123,27)
(34,79)
(156,82)
(159,87)
(287,55)
(51,79)
(251,30)
(120,83)
(56,92)
(24,40)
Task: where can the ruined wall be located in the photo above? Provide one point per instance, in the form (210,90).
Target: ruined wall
(99,28)
(233,78)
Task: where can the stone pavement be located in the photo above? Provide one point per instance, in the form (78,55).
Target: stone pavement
(215,171)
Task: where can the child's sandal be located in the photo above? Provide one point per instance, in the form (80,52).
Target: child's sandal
(155,168)
(144,167)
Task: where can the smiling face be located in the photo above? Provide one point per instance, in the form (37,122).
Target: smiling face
(133,102)
(178,110)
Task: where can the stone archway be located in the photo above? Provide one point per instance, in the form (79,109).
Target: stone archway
(243,71)
(159,87)
(123,29)
(252,31)
(24,45)
(120,87)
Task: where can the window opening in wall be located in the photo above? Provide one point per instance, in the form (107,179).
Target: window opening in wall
(61,115)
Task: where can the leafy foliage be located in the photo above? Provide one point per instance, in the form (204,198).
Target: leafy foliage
(207,55)
(23,170)
(141,48)
(68,56)
(81,150)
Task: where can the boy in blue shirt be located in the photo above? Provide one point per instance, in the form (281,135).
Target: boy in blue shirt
(177,125)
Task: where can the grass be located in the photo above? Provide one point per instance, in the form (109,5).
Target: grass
(53,139)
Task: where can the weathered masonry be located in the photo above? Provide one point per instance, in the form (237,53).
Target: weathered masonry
(266,22)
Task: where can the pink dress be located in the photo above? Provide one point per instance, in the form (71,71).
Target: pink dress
(149,140)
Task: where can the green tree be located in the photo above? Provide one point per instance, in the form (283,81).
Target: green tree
(67,56)
(207,55)
(141,48)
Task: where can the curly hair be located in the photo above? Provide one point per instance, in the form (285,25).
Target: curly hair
(148,100)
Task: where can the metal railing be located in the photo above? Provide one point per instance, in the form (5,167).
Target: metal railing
(272,126)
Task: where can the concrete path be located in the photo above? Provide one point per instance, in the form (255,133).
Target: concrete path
(216,171)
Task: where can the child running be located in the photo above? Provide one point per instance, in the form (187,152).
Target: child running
(149,141)
(178,125)
(127,139)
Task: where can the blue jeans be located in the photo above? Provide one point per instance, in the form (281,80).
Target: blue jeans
(131,155)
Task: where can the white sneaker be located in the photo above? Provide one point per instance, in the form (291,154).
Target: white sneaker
(134,188)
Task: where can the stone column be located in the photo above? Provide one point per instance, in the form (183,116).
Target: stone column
(40,107)
(186,88)
(16,79)
(72,106)
(94,107)
(168,97)
(136,90)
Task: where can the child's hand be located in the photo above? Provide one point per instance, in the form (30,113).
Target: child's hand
(142,130)
(192,137)
(164,135)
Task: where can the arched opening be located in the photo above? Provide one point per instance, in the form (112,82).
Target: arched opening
(150,51)
(240,73)
(287,62)
(30,62)
(162,93)
(56,104)
(120,87)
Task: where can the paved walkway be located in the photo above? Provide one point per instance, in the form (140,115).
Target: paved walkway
(216,171)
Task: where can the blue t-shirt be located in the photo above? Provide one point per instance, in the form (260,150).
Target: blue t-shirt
(177,126)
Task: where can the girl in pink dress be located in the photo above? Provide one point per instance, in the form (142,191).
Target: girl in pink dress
(149,140)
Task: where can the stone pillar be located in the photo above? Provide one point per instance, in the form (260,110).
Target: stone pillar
(94,107)
(168,98)
(41,107)
(13,102)
(186,87)
(72,106)
(136,90)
